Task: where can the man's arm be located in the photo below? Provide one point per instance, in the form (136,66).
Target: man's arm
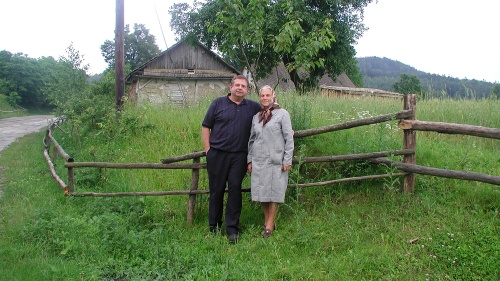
(205,136)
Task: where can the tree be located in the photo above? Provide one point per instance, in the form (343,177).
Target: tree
(140,46)
(312,37)
(21,79)
(66,79)
(408,84)
(495,91)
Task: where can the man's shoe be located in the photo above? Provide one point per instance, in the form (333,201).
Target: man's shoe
(233,238)
(214,229)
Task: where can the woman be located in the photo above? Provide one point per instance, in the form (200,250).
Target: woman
(270,152)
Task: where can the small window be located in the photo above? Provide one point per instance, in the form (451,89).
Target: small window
(190,71)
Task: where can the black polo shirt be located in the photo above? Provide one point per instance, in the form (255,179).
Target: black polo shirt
(230,123)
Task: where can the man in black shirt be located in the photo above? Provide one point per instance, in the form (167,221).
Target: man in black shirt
(225,133)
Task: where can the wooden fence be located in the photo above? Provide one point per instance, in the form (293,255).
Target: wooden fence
(408,166)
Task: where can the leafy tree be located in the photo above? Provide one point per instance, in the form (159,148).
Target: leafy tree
(407,84)
(139,47)
(66,80)
(21,79)
(312,37)
(495,91)
(354,73)
(13,99)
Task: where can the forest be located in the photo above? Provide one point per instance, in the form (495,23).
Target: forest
(382,73)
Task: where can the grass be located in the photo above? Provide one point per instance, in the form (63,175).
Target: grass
(351,231)
(7,110)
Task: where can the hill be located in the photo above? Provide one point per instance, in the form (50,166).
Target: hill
(382,73)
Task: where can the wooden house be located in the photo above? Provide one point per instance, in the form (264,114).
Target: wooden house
(348,92)
(280,79)
(182,72)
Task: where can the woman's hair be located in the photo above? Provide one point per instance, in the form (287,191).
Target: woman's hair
(265,87)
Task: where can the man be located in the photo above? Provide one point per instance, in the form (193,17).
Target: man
(225,133)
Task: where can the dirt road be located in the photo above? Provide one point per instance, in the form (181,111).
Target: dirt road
(16,127)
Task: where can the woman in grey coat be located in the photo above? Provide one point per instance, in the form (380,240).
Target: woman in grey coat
(270,152)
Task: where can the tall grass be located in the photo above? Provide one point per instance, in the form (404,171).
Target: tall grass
(352,231)
(7,110)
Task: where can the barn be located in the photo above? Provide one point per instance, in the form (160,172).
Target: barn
(183,72)
(280,79)
(349,92)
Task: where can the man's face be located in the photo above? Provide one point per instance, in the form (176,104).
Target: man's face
(239,88)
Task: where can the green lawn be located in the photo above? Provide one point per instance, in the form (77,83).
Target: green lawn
(351,231)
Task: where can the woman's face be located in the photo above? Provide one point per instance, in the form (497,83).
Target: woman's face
(266,97)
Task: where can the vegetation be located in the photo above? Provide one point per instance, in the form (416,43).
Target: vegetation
(43,83)
(313,37)
(7,110)
(382,73)
(64,84)
(350,231)
(21,78)
(139,47)
(408,84)
(495,91)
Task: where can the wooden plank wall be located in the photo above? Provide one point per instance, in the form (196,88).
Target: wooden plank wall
(346,92)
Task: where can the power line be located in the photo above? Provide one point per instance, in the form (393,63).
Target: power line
(164,40)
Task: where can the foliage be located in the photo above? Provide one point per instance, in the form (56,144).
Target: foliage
(13,98)
(22,78)
(86,105)
(382,73)
(495,91)
(243,45)
(347,231)
(139,47)
(8,110)
(67,80)
(408,84)
(354,74)
(310,37)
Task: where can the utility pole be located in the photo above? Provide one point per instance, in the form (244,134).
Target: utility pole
(119,55)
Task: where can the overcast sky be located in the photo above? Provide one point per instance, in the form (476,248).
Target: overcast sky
(457,38)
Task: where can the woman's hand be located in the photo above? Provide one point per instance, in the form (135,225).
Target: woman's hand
(286,167)
(249,167)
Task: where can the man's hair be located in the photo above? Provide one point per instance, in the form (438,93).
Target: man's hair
(243,77)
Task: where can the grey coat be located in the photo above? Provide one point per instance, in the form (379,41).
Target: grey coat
(269,147)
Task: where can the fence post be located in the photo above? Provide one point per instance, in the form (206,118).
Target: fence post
(71,180)
(48,143)
(409,142)
(195,175)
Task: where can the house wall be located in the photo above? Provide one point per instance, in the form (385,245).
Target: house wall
(346,92)
(160,91)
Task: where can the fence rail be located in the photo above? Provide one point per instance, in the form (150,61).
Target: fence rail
(408,166)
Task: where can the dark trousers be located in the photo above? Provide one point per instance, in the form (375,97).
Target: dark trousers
(225,167)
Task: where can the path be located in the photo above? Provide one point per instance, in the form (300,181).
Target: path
(15,127)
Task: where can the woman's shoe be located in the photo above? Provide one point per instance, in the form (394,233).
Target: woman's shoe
(264,227)
(267,233)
